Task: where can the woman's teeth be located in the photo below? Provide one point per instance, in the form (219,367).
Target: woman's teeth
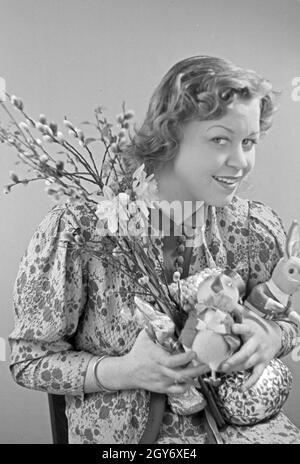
(226,180)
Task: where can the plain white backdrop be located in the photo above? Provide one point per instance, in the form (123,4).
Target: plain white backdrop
(64,58)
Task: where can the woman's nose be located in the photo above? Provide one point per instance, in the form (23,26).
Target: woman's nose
(237,158)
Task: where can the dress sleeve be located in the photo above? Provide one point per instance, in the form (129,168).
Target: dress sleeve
(267,239)
(49,297)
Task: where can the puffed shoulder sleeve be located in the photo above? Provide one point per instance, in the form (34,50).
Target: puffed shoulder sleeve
(49,297)
(267,240)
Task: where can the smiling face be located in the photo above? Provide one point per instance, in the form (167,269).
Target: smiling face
(212,160)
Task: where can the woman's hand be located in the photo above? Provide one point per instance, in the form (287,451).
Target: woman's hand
(262,341)
(152,368)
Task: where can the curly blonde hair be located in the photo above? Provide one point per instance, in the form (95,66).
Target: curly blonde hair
(196,88)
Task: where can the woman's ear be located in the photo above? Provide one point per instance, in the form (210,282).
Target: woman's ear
(293,240)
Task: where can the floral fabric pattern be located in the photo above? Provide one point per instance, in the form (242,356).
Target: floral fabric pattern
(261,401)
(70,307)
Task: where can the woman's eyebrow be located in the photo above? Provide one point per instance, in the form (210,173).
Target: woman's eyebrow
(230,130)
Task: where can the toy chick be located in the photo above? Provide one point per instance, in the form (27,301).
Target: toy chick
(212,301)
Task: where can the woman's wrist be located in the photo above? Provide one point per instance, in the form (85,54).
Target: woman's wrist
(96,375)
(278,339)
(110,374)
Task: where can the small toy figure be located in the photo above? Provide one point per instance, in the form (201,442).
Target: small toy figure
(212,299)
(272,299)
(161,330)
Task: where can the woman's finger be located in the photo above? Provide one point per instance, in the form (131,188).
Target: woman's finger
(257,372)
(187,374)
(239,358)
(178,388)
(177,360)
(253,361)
(173,375)
(241,329)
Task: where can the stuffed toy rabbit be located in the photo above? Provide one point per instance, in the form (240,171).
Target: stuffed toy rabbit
(272,299)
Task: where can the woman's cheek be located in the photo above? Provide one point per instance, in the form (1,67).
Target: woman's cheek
(251,164)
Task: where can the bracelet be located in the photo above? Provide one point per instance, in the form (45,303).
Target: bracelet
(99,384)
(288,338)
(282,341)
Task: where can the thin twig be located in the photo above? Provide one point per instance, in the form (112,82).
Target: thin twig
(92,159)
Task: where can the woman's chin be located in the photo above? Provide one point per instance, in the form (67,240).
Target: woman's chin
(219,202)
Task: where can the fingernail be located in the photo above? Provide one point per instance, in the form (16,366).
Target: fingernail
(196,361)
(225,367)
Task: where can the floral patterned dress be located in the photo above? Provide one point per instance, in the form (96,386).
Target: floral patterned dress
(69,307)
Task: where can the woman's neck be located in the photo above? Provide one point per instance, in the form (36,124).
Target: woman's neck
(172,191)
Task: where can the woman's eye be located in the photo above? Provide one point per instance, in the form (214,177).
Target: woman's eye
(249,143)
(218,140)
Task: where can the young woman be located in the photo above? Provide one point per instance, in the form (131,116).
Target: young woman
(199,139)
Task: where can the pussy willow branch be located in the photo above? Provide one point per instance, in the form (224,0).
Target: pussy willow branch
(117,264)
(107,147)
(140,293)
(102,167)
(26,144)
(29,161)
(145,259)
(47,169)
(29,146)
(13,119)
(41,147)
(120,164)
(93,161)
(72,162)
(79,157)
(81,176)
(162,299)
(162,271)
(70,177)
(68,146)
(21,142)
(113,168)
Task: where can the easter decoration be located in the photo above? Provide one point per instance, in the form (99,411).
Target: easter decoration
(213,301)
(272,299)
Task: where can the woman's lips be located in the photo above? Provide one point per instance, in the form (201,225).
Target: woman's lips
(229,182)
